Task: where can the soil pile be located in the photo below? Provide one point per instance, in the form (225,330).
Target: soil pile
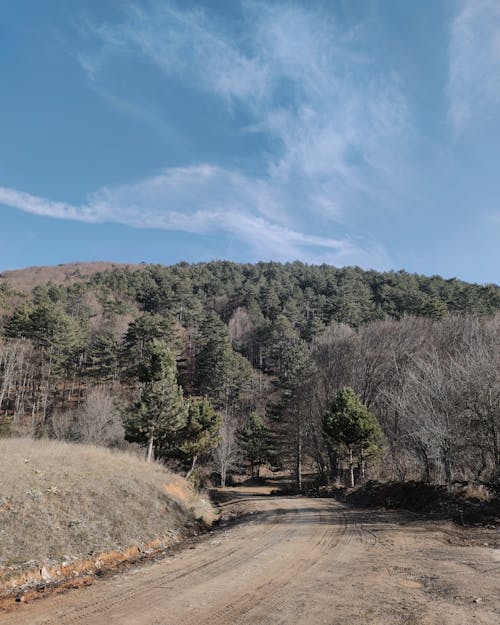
(464,505)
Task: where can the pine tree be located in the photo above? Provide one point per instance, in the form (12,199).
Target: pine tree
(200,434)
(140,334)
(350,423)
(255,441)
(293,409)
(161,411)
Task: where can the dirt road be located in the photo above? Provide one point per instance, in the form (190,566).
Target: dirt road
(296,560)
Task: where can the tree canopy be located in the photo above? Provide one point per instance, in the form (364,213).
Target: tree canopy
(349,422)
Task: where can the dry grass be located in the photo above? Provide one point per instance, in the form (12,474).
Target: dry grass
(59,502)
(27,279)
(472,491)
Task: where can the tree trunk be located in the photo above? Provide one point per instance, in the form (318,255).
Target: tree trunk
(448,469)
(496,448)
(150,454)
(190,472)
(320,462)
(333,462)
(298,464)
(362,467)
(351,468)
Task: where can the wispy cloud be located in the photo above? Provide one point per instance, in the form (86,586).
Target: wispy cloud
(474,62)
(333,128)
(337,126)
(187,200)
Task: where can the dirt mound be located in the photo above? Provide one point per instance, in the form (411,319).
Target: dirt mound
(64,504)
(465,505)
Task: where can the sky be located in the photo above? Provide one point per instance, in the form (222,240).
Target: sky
(347,132)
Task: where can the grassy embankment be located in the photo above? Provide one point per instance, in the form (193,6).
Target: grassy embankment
(67,510)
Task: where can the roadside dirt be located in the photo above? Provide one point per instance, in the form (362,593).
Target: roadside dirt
(296,560)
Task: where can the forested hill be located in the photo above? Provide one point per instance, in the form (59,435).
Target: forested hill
(268,345)
(310,297)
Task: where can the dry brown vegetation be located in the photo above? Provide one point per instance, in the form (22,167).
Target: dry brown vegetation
(66,274)
(61,502)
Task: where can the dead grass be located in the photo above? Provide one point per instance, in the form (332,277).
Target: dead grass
(472,491)
(68,273)
(61,502)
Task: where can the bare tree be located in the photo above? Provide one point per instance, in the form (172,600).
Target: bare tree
(12,358)
(479,375)
(226,454)
(96,422)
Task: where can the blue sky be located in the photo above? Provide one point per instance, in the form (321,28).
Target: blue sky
(340,131)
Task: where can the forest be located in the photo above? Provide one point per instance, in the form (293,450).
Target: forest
(220,368)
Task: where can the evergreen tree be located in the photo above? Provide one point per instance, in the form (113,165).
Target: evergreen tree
(200,434)
(140,334)
(102,356)
(220,373)
(255,440)
(350,423)
(161,410)
(293,409)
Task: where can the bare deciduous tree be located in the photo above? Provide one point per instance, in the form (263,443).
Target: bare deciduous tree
(226,454)
(97,421)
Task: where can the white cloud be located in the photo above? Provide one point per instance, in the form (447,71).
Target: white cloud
(335,129)
(196,200)
(338,128)
(40,206)
(474,62)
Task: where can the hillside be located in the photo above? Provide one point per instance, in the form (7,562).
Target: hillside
(64,274)
(61,504)
(375,294)
(268,345)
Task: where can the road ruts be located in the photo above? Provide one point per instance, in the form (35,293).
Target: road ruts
(297,561)
(221,579)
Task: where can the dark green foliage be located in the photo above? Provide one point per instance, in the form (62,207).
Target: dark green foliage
(102,357)
(292,411)
(19,324)
(200,434)
(256,442)
(51,329)
(140,334)
(349,422)
(300,292)
(161,411)
(220,373)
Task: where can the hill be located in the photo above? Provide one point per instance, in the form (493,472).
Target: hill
(63,504)
(349,294)
(268,345)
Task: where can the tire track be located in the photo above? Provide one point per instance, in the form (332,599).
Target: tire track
(306,561)
(135,591)
(251,602)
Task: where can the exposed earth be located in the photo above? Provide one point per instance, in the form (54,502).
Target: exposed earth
(297,560)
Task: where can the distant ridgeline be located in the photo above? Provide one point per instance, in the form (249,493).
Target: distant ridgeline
(252,302)
(301,293)
(297,291)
